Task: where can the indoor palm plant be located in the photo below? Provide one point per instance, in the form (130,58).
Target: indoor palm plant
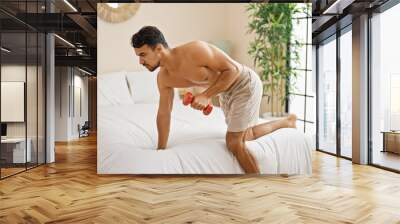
(274,49)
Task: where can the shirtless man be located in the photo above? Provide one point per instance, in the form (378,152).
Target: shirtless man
(198,63)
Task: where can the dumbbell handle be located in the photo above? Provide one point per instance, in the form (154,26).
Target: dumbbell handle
(188,99)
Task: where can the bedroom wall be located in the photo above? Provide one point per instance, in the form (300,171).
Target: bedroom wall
(180,23)
(237,20)
(212,22)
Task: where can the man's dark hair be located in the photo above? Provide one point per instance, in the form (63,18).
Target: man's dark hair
(149,35)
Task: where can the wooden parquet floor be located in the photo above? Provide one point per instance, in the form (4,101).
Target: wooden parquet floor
(70,191)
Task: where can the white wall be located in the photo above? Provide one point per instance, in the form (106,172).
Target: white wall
(237,24)
(180,23)
(80,117)
(62,80)
(66,119)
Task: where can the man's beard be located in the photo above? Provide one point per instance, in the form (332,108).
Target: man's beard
(154,68)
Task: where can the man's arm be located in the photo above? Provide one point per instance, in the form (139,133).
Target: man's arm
(213,58)
(224,81)
(164,112)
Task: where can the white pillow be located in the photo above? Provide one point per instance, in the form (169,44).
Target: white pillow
(113,89)
(143,87)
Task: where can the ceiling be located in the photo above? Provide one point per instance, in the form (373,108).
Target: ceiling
(75,29)
(332,15)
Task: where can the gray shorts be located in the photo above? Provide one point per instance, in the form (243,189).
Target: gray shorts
(241,102)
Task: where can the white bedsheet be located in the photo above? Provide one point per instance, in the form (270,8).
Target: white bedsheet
(127,141)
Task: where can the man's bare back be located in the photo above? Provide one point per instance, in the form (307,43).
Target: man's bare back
(184,69)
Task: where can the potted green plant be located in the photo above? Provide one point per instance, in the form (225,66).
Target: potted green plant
(274,49)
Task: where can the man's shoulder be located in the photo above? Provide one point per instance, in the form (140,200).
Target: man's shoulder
(195,44)
(200,43)
(194,50)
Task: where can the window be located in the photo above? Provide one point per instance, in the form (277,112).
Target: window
(302,95)
(327,95)
(346,92)
(22,65)
(385,89)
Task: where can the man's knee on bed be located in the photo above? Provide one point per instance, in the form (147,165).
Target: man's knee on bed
(235,141)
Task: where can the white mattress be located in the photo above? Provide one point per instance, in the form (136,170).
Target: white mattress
(127,141)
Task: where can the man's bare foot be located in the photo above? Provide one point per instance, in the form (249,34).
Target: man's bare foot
(291,120)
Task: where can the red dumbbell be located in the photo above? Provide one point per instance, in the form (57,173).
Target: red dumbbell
(188,99)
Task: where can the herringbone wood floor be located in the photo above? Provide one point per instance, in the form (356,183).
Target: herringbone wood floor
(70,191)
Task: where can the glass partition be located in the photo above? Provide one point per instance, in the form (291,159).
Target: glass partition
(22,78)
(14,153)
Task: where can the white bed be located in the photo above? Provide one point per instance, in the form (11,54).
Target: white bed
(127,140)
